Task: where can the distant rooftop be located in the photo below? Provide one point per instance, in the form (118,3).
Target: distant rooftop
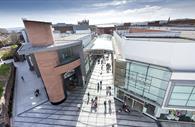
(103,42)
(165,34)
(159,40)
(106,25)
(62,24)
(70,37)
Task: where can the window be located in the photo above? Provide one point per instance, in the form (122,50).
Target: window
(147,80)
(183,95)
(66,55)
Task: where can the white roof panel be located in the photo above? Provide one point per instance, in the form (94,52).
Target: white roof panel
(102,44)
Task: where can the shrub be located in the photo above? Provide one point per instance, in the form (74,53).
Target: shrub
(185,118)
(1,89)
(4,69)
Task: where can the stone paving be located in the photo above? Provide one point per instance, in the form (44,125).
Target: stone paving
(68,114)
(24,98)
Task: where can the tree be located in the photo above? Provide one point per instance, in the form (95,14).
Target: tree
(14,38)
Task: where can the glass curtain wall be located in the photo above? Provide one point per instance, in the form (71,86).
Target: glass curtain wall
(145,80)
(67,55)
(183,95)
(87,64)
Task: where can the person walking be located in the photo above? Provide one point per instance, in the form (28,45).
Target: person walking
(22,78)
(92,101)
(88,97)
(96,98)
(106,91)
(98,87)
(105,107)
(110,90)
(109,103)
(101,85)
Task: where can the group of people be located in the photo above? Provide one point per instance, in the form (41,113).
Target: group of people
(125,107)
(99,86)
(109,107)
(93,102)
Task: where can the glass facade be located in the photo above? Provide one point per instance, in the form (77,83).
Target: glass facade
(67,55)
(144,80)
(182,95)
(87,64)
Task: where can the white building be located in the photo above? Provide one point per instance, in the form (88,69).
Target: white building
(155,72)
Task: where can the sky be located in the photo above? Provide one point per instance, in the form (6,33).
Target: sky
(96,11)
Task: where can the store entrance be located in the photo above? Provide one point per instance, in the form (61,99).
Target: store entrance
(138,106)
(133,103)
(72,80)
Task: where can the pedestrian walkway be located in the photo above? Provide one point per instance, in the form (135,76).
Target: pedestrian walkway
(100,117)
(26,82)
(68,114)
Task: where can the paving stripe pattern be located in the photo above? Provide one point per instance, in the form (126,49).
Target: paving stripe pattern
(67,114)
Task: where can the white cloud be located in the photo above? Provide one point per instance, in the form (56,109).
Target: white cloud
(147,13)
(112,3)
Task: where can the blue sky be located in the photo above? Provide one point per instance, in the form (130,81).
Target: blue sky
(97,11)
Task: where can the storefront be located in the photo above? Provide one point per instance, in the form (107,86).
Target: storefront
(134,103)
(72,79)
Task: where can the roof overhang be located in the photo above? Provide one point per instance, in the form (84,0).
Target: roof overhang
(27,48)
(183,76)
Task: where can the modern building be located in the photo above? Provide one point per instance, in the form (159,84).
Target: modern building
(81,27)
(58,60)
(154,72)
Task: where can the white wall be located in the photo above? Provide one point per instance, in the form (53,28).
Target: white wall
(175,55)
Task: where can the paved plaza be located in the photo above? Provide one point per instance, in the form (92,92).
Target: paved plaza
(43,114)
